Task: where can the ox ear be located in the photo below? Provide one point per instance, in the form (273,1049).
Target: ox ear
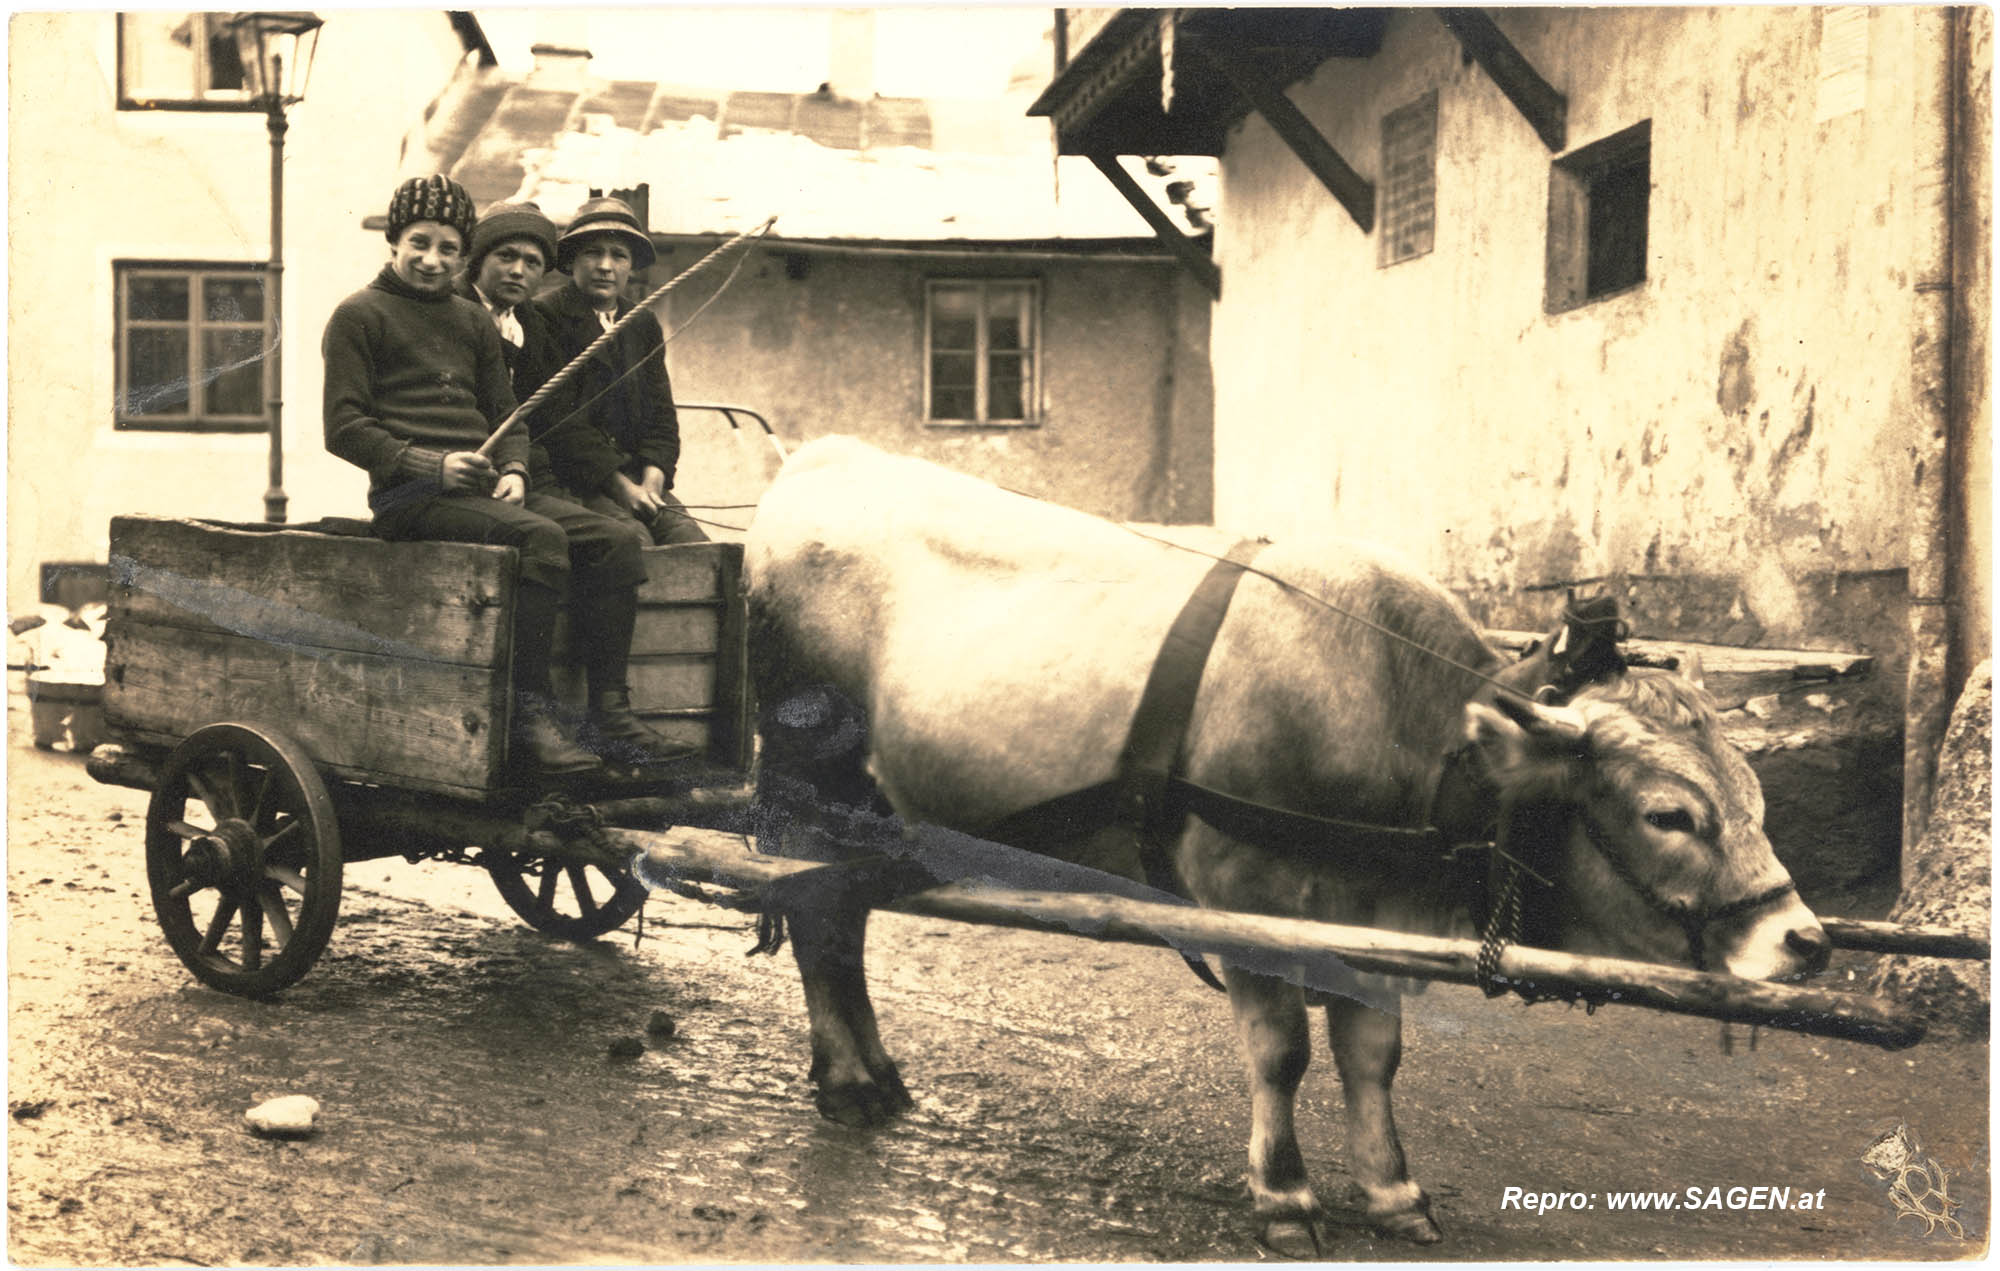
(1515,730)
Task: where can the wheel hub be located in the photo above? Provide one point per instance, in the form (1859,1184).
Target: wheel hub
(228,854)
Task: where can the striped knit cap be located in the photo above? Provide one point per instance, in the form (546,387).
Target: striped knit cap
(436,198)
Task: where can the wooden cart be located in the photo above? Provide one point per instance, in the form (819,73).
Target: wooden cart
(296,699)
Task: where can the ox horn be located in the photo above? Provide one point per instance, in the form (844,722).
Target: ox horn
(1552,723)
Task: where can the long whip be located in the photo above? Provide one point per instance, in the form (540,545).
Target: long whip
(557,380)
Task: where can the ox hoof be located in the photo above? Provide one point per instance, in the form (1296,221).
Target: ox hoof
(860,1105)
(1301,1238)
(1414,1225)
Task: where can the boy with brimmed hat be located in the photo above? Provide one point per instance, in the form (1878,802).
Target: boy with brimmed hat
(416,377)
(618,454)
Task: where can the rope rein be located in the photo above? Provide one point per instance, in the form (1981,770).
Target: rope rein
(562,376)
(639,363)
(1324,603)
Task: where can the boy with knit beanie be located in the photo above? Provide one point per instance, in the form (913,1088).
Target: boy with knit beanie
(415,380)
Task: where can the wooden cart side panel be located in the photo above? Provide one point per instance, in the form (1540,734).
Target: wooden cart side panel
(687,668)
(729,739)
(686,574)
(660,629)
(407,722)
(444,602)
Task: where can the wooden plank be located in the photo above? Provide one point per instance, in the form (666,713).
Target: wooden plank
(660,629)
(1353,191)
(672,681)
(665,682)
(730,737)
(395,720)
(1316,952)
(687,572)
(1545,109)
(443,602)
(1908,938)
(676,629)
(1192,255)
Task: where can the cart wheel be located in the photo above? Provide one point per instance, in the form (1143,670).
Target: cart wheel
(243,853)
(569,900)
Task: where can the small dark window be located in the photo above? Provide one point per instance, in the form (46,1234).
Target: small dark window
(1598,201)
(1409,181)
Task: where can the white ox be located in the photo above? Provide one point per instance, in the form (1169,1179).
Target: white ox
(965,653)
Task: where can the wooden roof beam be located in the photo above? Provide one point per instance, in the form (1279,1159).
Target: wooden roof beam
(1190,252)
(1545,109)
(1354,192)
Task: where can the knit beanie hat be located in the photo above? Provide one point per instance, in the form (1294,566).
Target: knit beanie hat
(605,216)
(437,198)
(510,220)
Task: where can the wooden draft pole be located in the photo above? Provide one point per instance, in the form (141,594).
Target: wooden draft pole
(563,376)
(1315,951)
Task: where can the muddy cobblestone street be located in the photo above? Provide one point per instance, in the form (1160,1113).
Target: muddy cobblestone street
(1075,1101)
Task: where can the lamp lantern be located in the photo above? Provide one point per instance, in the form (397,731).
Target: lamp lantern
(277,52)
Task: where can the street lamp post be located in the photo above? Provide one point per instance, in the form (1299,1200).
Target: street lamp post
(277,51)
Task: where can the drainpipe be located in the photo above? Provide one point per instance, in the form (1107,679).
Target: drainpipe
(1926,699)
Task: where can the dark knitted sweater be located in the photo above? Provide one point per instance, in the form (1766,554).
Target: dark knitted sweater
(411,377)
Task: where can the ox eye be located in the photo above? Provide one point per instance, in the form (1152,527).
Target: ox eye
(1676,821)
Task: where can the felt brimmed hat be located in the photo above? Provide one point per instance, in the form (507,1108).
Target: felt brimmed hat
(605,216)
(504,221)
(434,198)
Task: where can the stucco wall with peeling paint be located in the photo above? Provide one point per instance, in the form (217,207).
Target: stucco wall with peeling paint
(91,185)
(1736,428)
(840,349)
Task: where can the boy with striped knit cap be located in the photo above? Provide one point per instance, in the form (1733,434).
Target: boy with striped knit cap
(415,380)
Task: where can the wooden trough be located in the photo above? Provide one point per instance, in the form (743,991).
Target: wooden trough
(1321,953)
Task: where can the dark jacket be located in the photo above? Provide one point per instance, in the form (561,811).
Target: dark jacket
(529,366)
(632,423)
(411,377)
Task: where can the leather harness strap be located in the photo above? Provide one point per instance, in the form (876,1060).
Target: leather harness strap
(1155,751)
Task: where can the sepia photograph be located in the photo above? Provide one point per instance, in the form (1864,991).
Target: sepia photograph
(942,635)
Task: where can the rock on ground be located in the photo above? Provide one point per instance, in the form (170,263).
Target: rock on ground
(1951,872)
(292,1116)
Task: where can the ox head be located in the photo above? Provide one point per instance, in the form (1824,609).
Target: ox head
(1651,828)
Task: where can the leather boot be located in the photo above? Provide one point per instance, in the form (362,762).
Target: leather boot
(537,734)
(553,752)
(608,618)
(620,737)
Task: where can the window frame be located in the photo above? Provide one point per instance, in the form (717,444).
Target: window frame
(236,100)
(197,419)
(1403,186)
(1031,394)
(1573,179)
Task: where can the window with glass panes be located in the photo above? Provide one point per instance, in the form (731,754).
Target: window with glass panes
(191,347)
(179,61)
(983,337)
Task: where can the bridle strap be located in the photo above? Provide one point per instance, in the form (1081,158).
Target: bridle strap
(1693,921)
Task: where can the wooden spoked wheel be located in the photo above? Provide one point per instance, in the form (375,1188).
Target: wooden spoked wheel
(566,899)
(243,855)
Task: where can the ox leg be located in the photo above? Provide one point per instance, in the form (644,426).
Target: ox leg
(856,1083)
(1367,1048)
(1277,1046)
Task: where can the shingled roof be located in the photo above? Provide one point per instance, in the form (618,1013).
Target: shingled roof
(832,169)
